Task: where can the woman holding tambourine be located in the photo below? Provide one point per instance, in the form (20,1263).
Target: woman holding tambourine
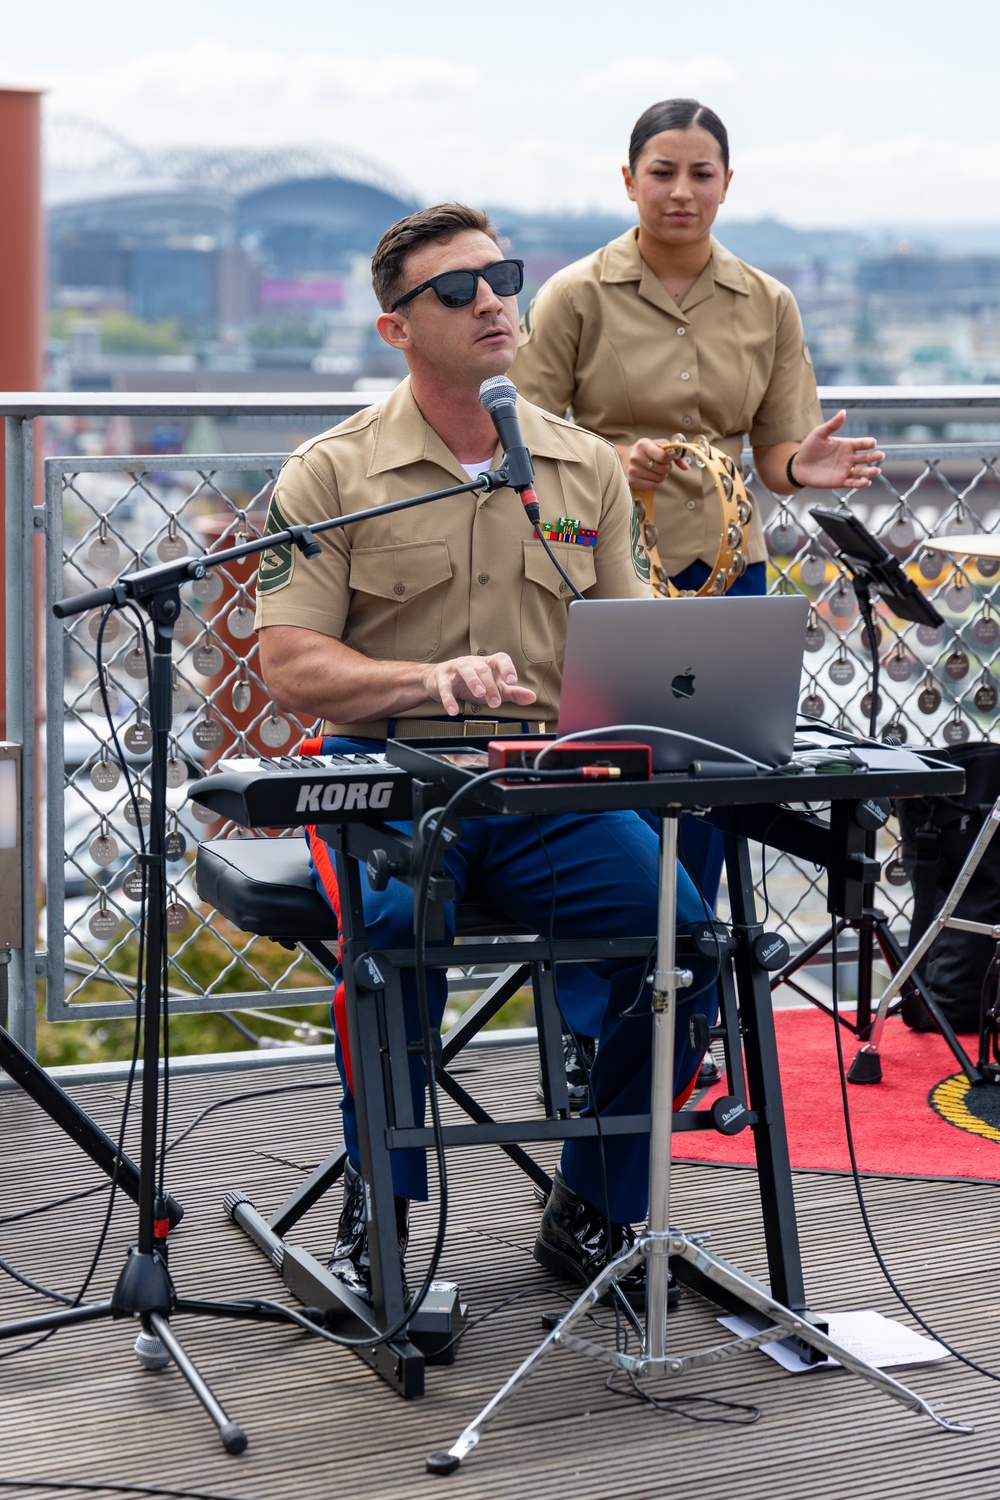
(663,332)
(664,335)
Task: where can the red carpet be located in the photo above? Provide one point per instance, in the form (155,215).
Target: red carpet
(896,1128)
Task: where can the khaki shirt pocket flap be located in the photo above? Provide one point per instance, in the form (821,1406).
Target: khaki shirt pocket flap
(576,559)
(401,572)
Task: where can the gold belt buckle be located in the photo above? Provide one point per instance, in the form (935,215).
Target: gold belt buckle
(480,726)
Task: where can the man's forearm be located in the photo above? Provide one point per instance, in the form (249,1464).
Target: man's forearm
(319,677)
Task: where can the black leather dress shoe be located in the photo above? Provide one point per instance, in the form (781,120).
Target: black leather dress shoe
(350,1262)
(572,1242)
(709,1073)
(578,1060)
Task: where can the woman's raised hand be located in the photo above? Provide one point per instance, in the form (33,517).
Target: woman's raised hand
(825,462)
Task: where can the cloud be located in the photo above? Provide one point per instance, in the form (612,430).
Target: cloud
(214,93)
(852,179)
(459,126)
(659,78)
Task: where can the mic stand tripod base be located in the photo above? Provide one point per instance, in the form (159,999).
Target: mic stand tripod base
(655,1247)
(781,1322)
(144,1290)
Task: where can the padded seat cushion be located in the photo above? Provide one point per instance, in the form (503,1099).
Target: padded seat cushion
(266,886)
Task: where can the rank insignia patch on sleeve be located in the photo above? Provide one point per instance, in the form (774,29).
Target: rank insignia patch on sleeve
(640,558)
(276,563)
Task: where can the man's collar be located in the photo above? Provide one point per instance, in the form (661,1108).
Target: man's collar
(623,263)
(402,436)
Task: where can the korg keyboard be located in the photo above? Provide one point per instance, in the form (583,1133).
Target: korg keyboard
(287,790)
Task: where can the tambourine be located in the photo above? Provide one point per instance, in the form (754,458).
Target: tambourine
(736,511)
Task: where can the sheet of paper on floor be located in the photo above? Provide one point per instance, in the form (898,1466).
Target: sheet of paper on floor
(867,1335)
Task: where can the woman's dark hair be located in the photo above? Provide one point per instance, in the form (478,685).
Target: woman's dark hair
(676,114)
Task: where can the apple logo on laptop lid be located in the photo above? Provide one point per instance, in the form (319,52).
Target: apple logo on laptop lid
(682,686)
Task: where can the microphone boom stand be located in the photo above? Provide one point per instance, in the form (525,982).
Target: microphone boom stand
(144,1289)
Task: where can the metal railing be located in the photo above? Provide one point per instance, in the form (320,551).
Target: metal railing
(101,515)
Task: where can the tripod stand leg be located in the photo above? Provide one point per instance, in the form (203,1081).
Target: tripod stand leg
(942,920)
(89,1312)
(63,1110)
(448,1459)
(234,1439)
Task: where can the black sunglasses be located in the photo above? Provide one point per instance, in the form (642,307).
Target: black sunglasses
(458,288)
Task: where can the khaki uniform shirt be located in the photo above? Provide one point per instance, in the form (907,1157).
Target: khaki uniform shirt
(456,577)
(606,342)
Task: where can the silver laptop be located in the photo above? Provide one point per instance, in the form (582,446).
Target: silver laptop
(714,679)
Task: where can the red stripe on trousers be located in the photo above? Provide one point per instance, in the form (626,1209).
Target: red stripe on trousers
(328,880)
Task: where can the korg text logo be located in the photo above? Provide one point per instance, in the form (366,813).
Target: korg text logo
(341,796)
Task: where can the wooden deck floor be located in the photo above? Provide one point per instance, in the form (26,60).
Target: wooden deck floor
(322,1425)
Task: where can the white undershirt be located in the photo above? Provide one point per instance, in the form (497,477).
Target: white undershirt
(474,470)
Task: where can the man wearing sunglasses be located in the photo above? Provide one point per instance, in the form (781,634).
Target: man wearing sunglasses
(450,619)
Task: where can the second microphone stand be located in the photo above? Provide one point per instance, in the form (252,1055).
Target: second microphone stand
(144,1290)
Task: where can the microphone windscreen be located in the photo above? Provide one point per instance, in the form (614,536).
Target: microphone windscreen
(497,391)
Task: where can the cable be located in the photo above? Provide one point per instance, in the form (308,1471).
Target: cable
(120,1151)
(420,903)
(421,896)
(100,1486)
(674,1405)
(34,1286)
(287,1088)
(971,1363)
(566,1026)
(44,1208)
(676,734)
(567,580)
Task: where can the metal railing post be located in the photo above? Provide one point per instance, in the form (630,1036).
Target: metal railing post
(20,627)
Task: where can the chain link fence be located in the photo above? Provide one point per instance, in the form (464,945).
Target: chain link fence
(106,515)
(938,686)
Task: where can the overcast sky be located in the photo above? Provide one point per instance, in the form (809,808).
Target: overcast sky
(844,116)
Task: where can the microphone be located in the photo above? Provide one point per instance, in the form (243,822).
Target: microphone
(498,396)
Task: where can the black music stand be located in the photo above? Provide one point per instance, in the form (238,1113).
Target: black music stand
(873,569)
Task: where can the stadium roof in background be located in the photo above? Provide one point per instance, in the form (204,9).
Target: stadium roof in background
(86,160)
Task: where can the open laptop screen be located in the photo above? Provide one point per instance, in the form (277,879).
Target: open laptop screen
(725,673)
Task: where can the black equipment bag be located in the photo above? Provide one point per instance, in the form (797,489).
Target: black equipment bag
(938,834)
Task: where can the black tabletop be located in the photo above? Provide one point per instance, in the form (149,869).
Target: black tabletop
(456,762)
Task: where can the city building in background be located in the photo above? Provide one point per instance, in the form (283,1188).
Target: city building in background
(186,265)
(209,269)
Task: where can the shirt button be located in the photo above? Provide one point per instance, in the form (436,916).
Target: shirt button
(564,588)
(682,330)
(685,421)
(692,504)
(482,651)
(484,578)
(473,708)
(685,375)
(399,588)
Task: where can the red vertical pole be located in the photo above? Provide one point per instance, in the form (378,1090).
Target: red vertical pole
(21,264)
